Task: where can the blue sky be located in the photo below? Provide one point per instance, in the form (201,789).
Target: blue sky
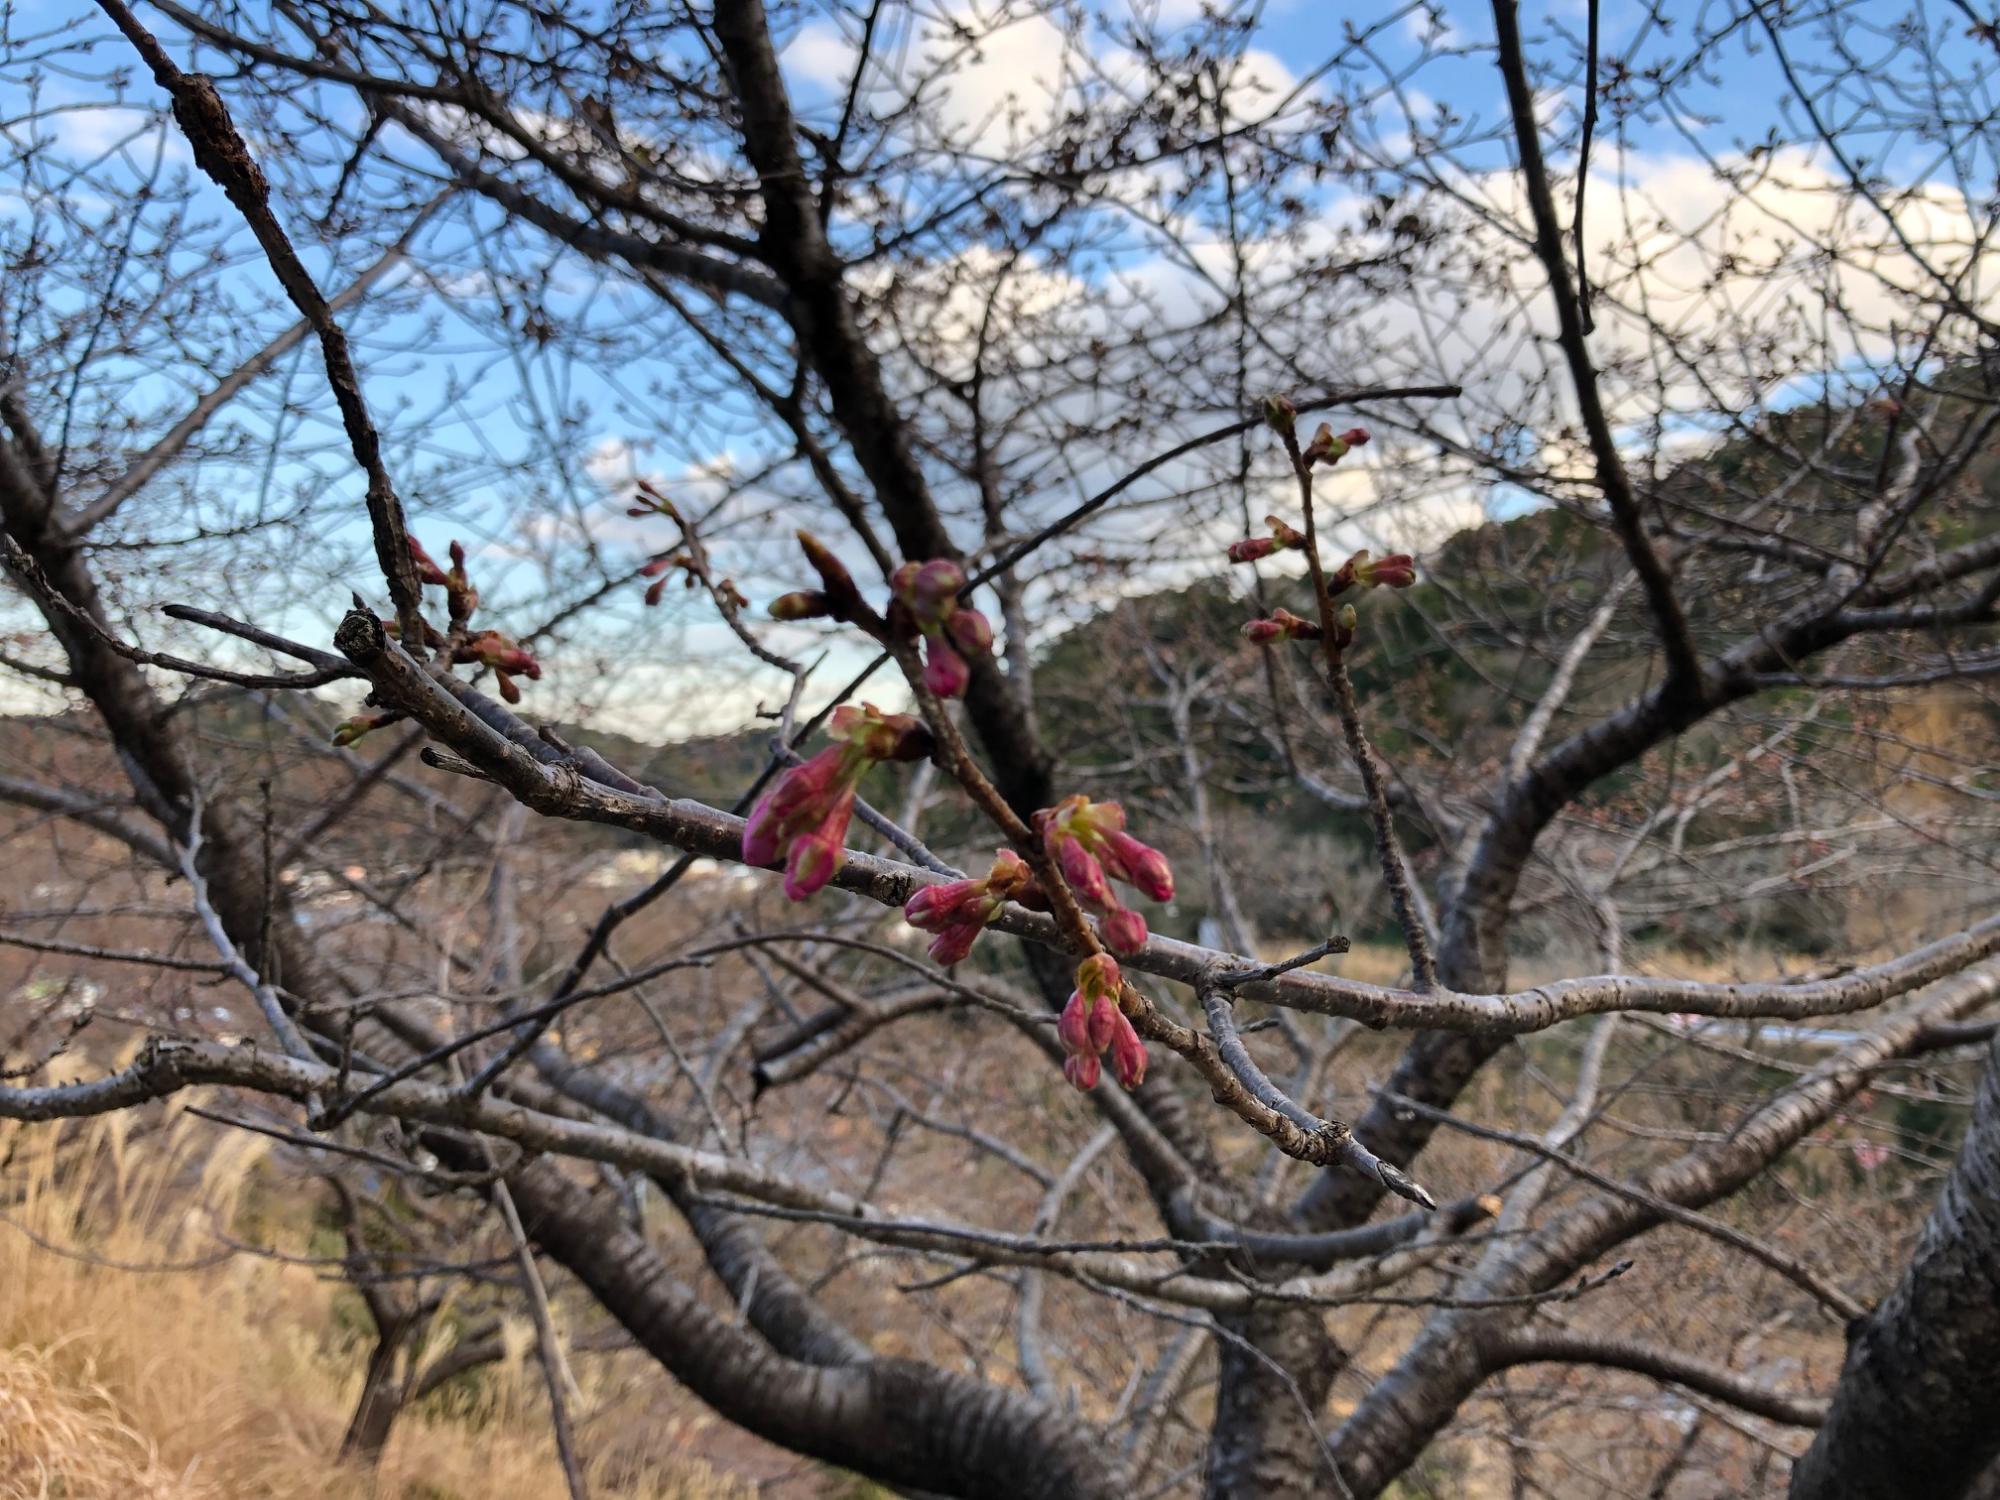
(1730,109)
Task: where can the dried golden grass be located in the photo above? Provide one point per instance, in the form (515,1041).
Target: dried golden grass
(230,1380)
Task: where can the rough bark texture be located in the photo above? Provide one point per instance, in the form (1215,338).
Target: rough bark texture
(1267,1438)
(1917,1410)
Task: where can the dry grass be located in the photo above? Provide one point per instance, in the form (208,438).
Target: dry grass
(233,1379)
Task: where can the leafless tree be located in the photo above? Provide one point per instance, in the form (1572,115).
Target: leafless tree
(1046,299)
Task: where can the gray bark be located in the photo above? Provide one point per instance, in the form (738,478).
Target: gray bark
(1917,1410)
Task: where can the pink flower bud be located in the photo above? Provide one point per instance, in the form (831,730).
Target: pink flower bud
(1082,1070)
(872,735)
(970,631)
(953,944)
(1282,626)
(1080,868)
(946,673)
(1104,1019)
(936,907)
(1324,447)
(427,569)
(1123,931)
(1396,571)
(1073,1026)
(1251,549)
(1263,632)
(816,858)
(929,590)
(1355,437)
(1285,535)
(1139,865)
(1128,1053)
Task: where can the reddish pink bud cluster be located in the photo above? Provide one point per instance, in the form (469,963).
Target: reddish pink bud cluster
(925,602)
(1330,447)
(1283,625)
(508,661)
(650,502)
(1396,571)
(959,910)
(1283,538)
(487,647)
(803,818)
(1094,1023)
(1089,844)
(661,569)
(428,572)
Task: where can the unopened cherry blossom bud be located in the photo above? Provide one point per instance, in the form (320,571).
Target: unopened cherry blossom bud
(1073,1025)
(953,944)
(1264,632)
(1123,931)
(1282,626)
(1355,437)
(1128,1053)
(803,604)
(1396,571)
(844,600)
(349,730)
(1104,1018)
(946,673)
(1081,869)
(1280,415)
(928,590)
(816,858)
(1252,549)
(1082,1070)
(875,736)
(1285,534)
(970,631)
(427,569)
(1139,865)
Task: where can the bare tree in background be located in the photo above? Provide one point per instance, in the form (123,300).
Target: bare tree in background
(1008,292)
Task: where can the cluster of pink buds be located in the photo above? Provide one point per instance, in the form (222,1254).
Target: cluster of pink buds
(489,648)
(648,501)
(1283,538)
(1089,844)
(925,602)
(661,570)
(958,911)
(508,661)
(1330,447)
(1094,1024)
(1396,571)
(1283,625)
(803,818)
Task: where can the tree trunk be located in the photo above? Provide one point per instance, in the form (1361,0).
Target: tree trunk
(1267,1441)
(381,1401)
(1917,1410)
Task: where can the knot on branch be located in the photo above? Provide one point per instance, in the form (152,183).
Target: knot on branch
(360,637)
(1329,1144)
